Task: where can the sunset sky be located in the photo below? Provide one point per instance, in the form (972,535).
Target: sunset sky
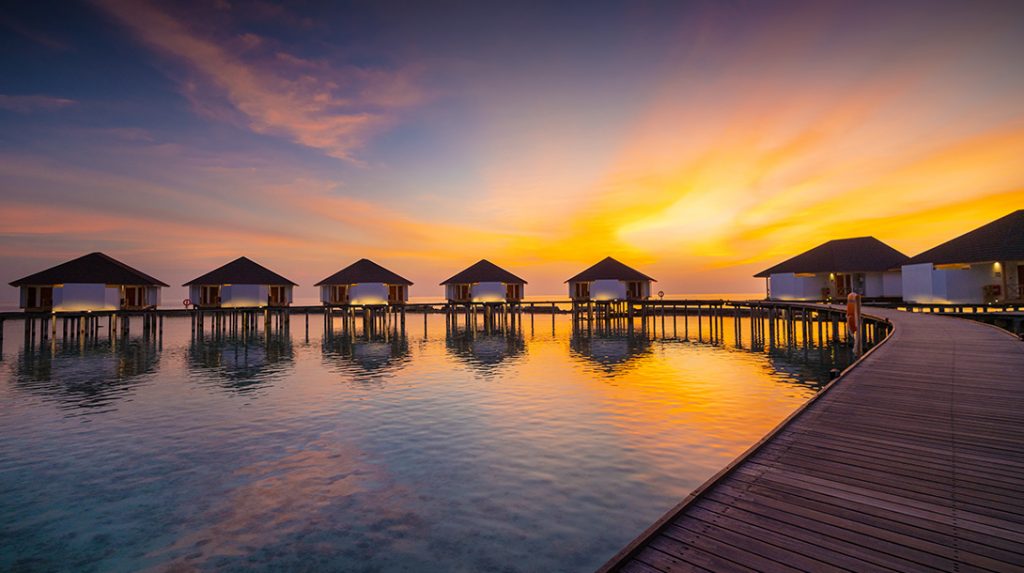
(697,141)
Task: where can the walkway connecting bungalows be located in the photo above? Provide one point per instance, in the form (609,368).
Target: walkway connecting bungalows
(364,283)
(93,282)
(242,283)
(484,283)
(609,280)
(832,270)
(983,266)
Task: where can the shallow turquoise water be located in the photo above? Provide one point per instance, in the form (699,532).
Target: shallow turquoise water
(504,452)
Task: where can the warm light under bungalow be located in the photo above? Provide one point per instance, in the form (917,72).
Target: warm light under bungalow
(91,282)
(241,283)
(610,280)
(832,270)
(983,266)
(484,282)
(365,283)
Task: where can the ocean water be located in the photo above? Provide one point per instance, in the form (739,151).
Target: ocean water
(535,449)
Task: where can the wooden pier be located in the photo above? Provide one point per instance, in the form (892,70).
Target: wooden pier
(913,460)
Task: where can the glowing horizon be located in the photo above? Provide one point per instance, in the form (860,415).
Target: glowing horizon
(697,142)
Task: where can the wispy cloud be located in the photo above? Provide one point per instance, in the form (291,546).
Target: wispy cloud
(31,103)
(312,102)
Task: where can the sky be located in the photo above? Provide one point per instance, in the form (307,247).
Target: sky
(700,142)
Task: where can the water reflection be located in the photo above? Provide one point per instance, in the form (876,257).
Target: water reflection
(87,374)
(373,356)
(241,363)
(486,352)
(610,352)
(568,448)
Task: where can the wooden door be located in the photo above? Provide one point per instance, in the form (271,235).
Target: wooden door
(395,293)
(131,297)
(46,296)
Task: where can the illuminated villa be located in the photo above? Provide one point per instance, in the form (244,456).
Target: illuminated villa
(241,283)
(982,266)
(832,270)
(364,283)
(484,282)
(91,282)
(610,280)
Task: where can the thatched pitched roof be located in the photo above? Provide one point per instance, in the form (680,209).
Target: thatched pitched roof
(857,255)
(484,271)
(94,268)
(364,271)
(241,271)
(1000,240)
(610,269)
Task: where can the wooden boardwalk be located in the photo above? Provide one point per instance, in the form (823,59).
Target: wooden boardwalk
(912,461)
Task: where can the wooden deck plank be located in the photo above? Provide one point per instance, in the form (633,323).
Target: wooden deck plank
(913,460)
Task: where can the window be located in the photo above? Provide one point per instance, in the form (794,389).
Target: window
(209,295)
(582,291)
(461,292)
(396,293)
(339,294)
(133,297)
(276,295)
(513,292)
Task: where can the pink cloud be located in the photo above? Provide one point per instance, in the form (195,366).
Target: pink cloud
(314,103)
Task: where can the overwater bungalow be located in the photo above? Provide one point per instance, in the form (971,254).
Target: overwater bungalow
(241,283)
(832,270)
(484,282)
(610,280)
(985,265)
(92,282)
(364,283)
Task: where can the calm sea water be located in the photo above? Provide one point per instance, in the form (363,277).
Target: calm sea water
(534,451)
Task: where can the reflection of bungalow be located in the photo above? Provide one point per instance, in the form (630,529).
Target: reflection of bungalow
(364,282)
(91,282)
(484,282)
(485,352)
(93,374)
(834,269)
(610,280)
(984,265)
(356,357)
(241,365)
(238,284)
(611,353)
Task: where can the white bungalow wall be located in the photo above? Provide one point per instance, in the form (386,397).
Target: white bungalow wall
(892,284)
(607,289)
(368,293)
(788,286)
(237,296)
(72,297)
(923,283)
(488,292)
